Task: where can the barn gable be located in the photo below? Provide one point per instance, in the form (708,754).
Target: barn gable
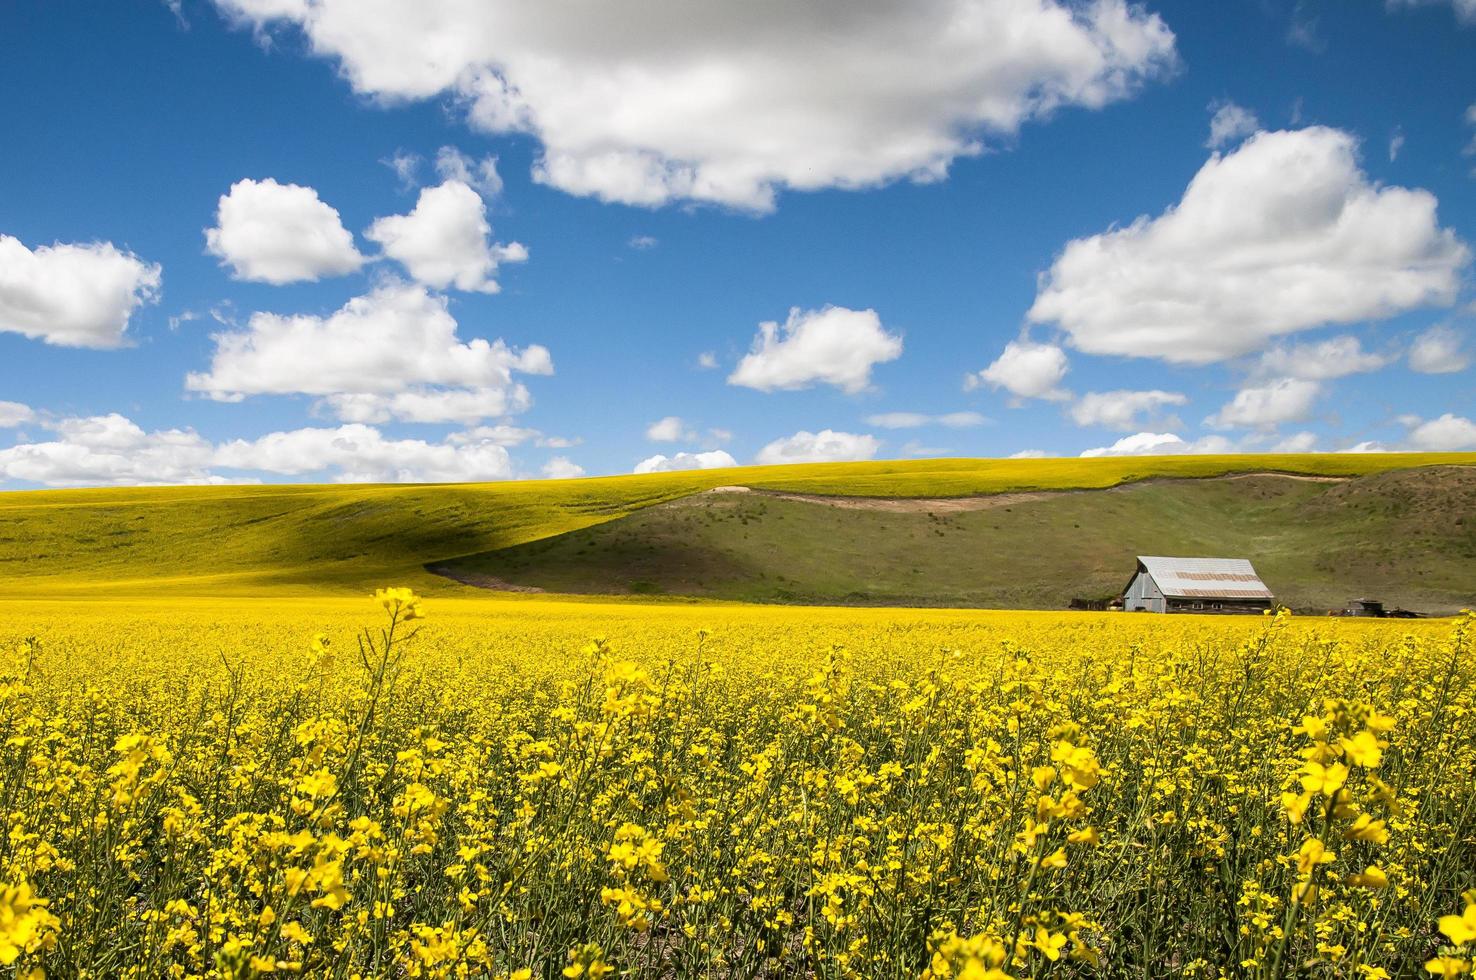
(1163,584)
(1205,578)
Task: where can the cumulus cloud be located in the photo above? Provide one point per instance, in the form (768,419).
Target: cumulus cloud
(13,414)
(707,360)
(358,453)
(669,429)
(109,449)
(1026,370)
(1446,434)
(1284,234)
(113,450)
(1269,405)
(1300,442)
(480,175)
(562,468)
(1230,123)
(1160,444)
(729,103)
(446,240)
(661,463)
(280,233)
(673,428)
(825,446)
(393,353)
(72,295)
(834,346)
(1336,357)
(917,420)
(1121,409)
(1439,350)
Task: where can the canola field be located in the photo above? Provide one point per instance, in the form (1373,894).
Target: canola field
(517,788)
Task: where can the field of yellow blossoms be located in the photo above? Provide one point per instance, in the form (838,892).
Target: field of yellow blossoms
(408,788)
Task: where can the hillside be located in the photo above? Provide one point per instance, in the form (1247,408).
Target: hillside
(1402,536)
(286,540)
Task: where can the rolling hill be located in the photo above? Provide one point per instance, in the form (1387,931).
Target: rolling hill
(306,540)
(1399,535)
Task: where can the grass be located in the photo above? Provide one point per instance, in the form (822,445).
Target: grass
(1401,535)
(303,540)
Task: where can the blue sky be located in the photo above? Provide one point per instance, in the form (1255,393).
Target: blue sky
(970,222)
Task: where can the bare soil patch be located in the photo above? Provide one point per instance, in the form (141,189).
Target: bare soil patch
(480,580)
(954,505)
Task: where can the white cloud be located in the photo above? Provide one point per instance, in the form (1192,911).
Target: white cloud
(674,429)
(500,435)
(361,454)
(480,175)
(1447,433)
(1465,9)
(1266,406)
(280,233)
(661,463)
(669,429)
(1231,123)
(1284,234)
(1396,143)
(406,166)
(1030,454)
(1439,350)
(1367,446)
(562,468)
(1300,442)
(707,360)
(445,240)
(13,414)
(642,243)
(1026,370)
(833,346)
(825,446)
(393,353)
(109,449)
(72,295)
(1160,444)
(1121,409)
(917,420)
(1336,357)
(730,103)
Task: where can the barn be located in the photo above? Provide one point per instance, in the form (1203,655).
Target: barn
(1196,585)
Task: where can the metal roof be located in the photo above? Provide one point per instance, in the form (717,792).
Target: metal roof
(1199,578)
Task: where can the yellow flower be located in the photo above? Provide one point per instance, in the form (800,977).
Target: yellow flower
(1449,967)
(1372,877)
(1367,829)
(1363,749)
(1313,853)
(1049,945)
(25,925)
(403,604)
(1460,929)
(1087,835)
(1327,780)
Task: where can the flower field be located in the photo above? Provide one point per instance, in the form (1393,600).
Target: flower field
(521,788)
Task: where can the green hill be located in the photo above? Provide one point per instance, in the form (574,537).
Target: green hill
(1403,536)
(297,540)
